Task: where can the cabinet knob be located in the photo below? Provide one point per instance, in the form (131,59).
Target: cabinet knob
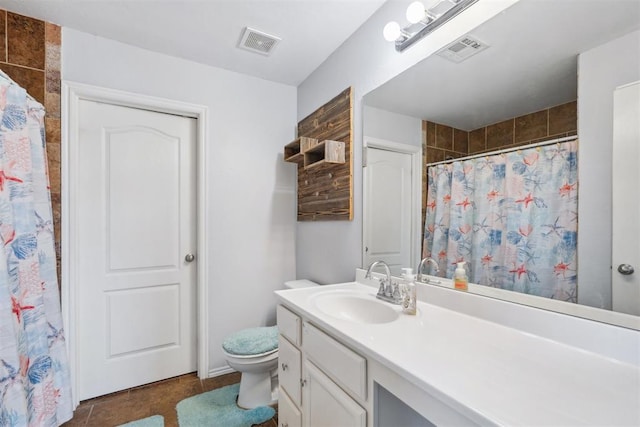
(285,366)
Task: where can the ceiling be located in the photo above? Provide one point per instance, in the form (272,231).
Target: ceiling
(208,31)
(531,64)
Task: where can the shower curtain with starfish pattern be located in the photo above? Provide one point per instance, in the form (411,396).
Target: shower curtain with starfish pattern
(34,372)
(512,217)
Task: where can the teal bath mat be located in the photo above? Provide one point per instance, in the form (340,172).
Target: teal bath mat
(155,421)
(217,408)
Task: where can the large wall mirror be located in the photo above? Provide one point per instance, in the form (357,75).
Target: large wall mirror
(539,55)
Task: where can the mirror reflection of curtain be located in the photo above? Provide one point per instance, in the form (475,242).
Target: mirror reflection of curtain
(511,216)
(34,372)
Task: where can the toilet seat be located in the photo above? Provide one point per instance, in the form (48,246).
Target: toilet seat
(249,356)
(252,342)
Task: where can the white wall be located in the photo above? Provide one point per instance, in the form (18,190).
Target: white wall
(250,189)
(391,126)
(600,71)
(328,252)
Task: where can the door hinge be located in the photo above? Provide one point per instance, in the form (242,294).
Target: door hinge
(364,157)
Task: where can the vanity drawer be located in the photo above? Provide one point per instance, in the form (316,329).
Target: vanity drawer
(288,413)
(289,324)
(289,368)
(344,366)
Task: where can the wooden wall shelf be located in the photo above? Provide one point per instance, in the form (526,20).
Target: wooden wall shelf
(325,152)
(294,151)
(324,157)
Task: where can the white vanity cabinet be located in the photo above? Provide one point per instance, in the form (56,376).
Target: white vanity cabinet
(322,382)
(451,364)
(289,368)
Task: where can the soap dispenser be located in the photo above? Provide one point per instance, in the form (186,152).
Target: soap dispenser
(409,300)
(460,280)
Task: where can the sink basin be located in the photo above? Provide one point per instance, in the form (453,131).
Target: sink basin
(355,306)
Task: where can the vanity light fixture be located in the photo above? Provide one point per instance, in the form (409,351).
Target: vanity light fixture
(423,19)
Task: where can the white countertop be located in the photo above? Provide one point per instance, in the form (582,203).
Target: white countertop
(491,373)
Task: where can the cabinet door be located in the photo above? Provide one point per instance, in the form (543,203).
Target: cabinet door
(288,414)
(326,405)
(289,369)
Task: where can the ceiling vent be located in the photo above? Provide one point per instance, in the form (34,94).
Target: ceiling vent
(257,41)
(463,48)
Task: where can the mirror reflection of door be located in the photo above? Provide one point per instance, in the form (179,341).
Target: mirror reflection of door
(389,208)
(626,201)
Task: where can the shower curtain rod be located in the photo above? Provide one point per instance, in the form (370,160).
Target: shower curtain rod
(506,150)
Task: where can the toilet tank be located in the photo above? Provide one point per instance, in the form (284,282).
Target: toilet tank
(297,284)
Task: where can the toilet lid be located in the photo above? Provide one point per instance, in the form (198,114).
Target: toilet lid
(252,341)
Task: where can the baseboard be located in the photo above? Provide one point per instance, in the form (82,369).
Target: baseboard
(221,371)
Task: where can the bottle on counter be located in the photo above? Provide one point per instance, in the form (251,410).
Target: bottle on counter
(460,279)
(409,300)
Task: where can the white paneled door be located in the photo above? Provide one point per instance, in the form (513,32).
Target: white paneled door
(625,254)
(136,240)
(388,209)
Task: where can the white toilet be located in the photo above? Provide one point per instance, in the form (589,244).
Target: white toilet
(254,353)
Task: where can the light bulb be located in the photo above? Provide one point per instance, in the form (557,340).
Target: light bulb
(415,12)
(391,31)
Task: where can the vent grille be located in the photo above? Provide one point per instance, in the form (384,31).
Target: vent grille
(257,41)
(463,48)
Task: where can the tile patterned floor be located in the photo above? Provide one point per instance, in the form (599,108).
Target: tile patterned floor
(158,398)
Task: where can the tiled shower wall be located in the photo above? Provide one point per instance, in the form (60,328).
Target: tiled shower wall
(30,55)
(440,142)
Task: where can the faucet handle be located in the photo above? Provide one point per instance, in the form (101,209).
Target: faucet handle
(396,294)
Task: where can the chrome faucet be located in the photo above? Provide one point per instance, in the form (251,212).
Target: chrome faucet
(421,266)
(388,291)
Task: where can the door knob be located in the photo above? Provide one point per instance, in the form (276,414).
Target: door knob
(625,269)
(189,257)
